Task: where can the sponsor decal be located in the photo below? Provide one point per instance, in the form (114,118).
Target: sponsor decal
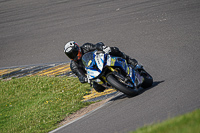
(112,61)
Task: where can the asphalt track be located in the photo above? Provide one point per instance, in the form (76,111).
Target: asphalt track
(163,35)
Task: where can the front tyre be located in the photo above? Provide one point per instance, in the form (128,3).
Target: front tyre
(113,81)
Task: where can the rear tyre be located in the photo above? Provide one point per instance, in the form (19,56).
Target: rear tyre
(148,80)
(113,81)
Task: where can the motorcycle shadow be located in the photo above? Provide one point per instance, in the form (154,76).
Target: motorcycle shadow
(141,90)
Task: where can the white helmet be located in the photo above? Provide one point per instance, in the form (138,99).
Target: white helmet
(72,50)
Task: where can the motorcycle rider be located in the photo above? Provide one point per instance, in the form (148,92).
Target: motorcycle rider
(75,53)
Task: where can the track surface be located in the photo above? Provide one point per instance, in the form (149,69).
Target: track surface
(164,35)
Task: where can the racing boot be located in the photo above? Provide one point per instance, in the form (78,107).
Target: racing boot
(134,64)
(138,67)
(116,52)
(130,61)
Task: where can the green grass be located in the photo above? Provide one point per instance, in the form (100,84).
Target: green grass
(38,104)
(188,123)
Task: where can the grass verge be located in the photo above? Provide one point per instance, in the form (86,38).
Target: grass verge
(188,123)
(39,103)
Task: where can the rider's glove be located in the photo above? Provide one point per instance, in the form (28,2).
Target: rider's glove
(83,79)
(106,49)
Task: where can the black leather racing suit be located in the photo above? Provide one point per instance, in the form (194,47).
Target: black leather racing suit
(78,68)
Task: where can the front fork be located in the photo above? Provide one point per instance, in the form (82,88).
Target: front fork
(111,69)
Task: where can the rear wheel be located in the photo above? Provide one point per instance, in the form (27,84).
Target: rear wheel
(148,80)
(113,81)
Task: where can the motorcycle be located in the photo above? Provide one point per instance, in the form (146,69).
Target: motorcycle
(111,71)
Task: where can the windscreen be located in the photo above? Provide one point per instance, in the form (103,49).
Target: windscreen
(88,59)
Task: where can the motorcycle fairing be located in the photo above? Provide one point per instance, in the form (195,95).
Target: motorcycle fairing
(89,62)
(120,62)
(99,62)
(99,59)
(95,62)
(92,73)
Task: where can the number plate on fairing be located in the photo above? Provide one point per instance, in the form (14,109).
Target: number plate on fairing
(99,58)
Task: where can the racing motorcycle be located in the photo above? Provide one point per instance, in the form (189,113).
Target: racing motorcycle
(111,71)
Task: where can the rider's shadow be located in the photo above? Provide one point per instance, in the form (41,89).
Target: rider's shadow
(122,96)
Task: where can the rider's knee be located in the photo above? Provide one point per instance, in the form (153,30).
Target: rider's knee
(98,87)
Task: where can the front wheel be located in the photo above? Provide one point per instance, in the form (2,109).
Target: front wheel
(113,81)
